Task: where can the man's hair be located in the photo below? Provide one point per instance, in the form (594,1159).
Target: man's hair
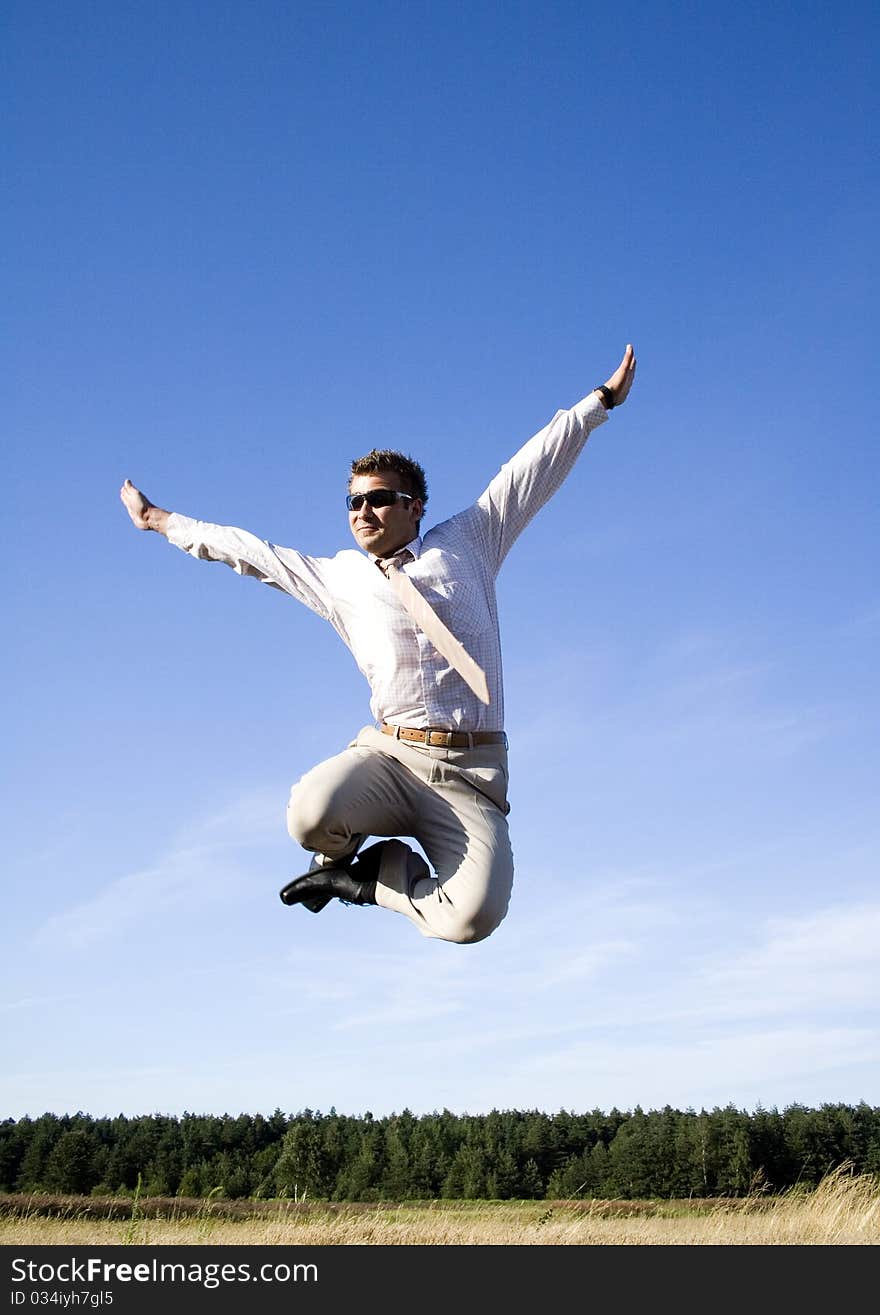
(382,459)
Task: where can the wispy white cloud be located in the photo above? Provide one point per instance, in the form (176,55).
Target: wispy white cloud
(815,966)
(638,986)
(820,962)
(204,862)
(137,898)
(39,1002)
(706,690)
(775,1010)
(769,1065)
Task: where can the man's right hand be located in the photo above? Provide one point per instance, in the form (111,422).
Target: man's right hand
(144,514)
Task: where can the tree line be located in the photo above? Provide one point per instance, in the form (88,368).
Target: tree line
(504,1155)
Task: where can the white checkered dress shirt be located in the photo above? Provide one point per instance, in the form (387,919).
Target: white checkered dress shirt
(455,565)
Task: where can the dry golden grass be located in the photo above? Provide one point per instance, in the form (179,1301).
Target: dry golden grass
(843,1211)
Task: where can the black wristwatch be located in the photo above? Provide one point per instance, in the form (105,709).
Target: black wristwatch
(607,396)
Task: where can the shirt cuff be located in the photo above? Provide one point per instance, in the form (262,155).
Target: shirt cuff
(591,410)
(179,530)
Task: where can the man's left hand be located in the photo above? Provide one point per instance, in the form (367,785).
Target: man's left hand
(621,381)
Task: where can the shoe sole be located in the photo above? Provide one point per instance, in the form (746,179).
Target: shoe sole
(317,904)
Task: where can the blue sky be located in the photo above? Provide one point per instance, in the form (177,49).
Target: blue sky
(244,243)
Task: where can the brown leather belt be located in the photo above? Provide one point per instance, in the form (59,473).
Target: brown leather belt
(440,739)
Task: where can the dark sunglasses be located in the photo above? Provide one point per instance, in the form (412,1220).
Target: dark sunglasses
(376,498)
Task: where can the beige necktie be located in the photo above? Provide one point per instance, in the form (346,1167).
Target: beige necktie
(427,620)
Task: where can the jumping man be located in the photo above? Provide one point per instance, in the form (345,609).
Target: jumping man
(419,613)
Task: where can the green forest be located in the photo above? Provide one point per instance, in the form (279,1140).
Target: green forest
(504,1155)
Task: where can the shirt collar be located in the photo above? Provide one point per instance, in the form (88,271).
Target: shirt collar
(415,547)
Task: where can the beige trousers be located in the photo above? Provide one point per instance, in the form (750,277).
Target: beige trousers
(453,802)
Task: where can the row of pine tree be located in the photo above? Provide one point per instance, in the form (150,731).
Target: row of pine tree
(518,1155)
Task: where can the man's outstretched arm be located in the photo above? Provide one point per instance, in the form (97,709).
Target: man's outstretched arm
(525,483)
(144,514)
(281,568)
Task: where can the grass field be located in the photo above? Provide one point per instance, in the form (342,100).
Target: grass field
(843,1210)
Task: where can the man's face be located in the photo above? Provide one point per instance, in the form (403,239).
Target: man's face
(382,530)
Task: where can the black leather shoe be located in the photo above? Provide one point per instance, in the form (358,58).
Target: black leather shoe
(361,870)
(324,884)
